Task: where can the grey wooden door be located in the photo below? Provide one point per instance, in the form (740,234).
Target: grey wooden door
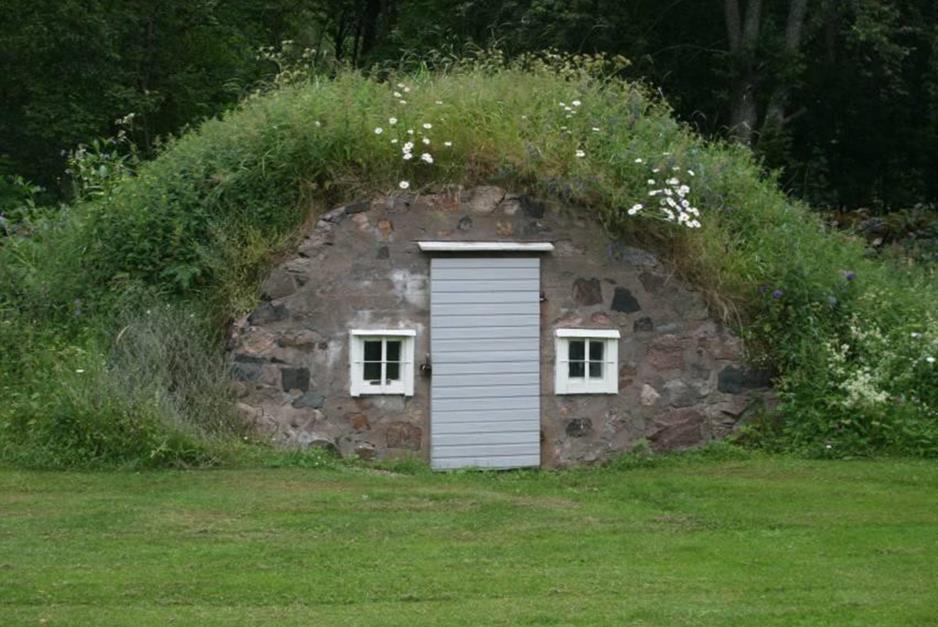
(485,348)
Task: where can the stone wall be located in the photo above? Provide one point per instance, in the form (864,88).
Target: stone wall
(682,380)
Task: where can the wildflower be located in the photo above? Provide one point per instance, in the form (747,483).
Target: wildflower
(828,447)
(80,370)
(407,90)
(916,335)
(392,121)
(524,117)
(410,131)
(930,359)
(427,125)
(317,123)
(426,140)
(672,181)
(378,130)
(635,208)
(394,141)
(439,102)
(400,85)
(595,129)
(448,144)
(850,275)
(408,156)
(776,294)
(568,109)
(694,224)
(576,103)
(403,102)
(580,153)
(408,147)
(639,160)
(691,172)
(651,181)
(656,170)
(563,105)
(426,157)
(397,94)
(404,184)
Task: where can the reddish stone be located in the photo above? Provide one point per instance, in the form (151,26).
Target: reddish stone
(359,422)
(680,428)
(587,292)
(504,229)
(600,318)
(386,227)
(365,452)
(666,353)
(404,435)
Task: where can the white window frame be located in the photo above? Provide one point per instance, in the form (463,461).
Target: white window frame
(608,383)
(359,386)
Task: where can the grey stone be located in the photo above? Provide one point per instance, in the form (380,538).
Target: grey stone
(624,301)
(587,292)
(643,325)
(680,394)
(280,283)
(649,395)
(734,379)
(383,253)
(269,312)
(631,256)
(579,427)
(245,358)
(292,378)
(485,199)
(313,400)
(365,452)
(465,223)
(244,371)
(358,207)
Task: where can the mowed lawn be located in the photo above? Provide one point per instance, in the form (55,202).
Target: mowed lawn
(766,541)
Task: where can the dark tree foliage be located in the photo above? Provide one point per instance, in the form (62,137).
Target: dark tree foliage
(841,96)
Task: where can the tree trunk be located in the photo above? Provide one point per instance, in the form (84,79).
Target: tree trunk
(743,36)
(775,113)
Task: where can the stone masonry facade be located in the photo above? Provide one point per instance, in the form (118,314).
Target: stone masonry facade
(682,376)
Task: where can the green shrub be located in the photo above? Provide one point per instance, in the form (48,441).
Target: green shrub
(198,225)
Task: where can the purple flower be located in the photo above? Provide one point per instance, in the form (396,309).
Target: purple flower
(850,275)
(776,294)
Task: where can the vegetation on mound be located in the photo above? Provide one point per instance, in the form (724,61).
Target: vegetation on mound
(112,313)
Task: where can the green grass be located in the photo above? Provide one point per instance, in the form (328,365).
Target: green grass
(769,541)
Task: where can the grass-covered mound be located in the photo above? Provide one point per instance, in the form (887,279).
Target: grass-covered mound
(112,313)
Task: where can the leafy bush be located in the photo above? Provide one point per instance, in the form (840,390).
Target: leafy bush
(198,224)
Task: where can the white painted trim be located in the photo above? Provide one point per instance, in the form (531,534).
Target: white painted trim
(403,387)
(485,247)
(589,333)
(608,384)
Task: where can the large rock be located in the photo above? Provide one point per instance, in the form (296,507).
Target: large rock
(624,301)
(734,379)
(294,378)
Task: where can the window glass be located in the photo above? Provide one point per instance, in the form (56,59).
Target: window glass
(372,372)
(576,355)
(596,360)
(372,350)
(393,350)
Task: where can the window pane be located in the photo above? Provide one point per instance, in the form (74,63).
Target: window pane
(372,371)
(393,371)
(373,351)
(596,370)
(596,351)
(577,350)
(394,350)
(575,369)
